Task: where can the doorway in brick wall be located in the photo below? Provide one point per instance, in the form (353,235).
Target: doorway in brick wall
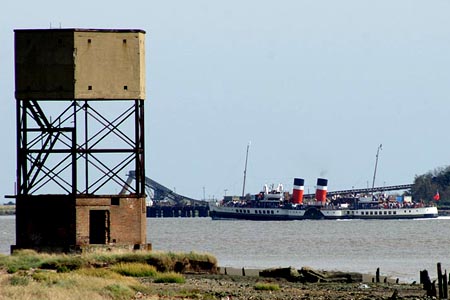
(99,226)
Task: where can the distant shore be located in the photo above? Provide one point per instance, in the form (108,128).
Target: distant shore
(11,210)
(7,210)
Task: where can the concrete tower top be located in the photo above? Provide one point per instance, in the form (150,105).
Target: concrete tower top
(80,64)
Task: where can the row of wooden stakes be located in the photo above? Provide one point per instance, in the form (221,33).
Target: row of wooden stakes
(430,287)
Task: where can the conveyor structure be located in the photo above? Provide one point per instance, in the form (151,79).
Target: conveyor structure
(159,193)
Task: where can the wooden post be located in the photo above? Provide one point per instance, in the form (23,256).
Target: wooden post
(427,285)
(377,276)
(445,285)
(394,295)
(433,289)
(440,286)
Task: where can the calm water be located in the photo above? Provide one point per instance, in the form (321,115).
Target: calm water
(400,248)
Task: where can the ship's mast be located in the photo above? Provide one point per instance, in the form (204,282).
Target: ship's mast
(245,171)
(376,164)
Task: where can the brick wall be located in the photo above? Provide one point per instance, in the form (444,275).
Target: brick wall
(127,219)
(63,222)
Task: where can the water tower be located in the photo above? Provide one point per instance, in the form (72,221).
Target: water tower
(80,127)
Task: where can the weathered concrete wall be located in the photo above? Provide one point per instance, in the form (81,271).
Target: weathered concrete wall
(109,65)
(65,64)
(44,67)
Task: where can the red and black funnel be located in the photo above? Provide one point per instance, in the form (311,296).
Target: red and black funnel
(321,190)
(297,194)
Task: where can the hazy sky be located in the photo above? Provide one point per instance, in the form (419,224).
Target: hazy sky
(315,86)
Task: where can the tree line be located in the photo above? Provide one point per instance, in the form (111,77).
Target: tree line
(427,185)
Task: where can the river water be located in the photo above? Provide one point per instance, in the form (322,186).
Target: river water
(400,248)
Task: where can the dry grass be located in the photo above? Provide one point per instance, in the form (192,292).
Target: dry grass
(134,269)
(81,284)
(170,277)
(31,275)
(55,286)
(266,286)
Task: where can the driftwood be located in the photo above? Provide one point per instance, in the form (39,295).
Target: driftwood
(289,274)
(310,275)
(347,277)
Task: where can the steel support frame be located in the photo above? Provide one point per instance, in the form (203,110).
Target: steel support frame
(40,138)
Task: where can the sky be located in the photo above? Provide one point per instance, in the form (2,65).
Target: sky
(314,86)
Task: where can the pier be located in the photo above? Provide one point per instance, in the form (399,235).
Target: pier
(177,211)
(7,210)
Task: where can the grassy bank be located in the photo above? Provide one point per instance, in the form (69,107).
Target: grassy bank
(31,275)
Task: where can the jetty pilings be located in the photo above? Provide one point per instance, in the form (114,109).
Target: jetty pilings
(176,211)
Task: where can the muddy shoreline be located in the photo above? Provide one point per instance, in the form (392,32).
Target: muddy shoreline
(222,286)
(234,283)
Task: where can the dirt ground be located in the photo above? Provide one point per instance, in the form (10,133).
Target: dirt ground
(243,287)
